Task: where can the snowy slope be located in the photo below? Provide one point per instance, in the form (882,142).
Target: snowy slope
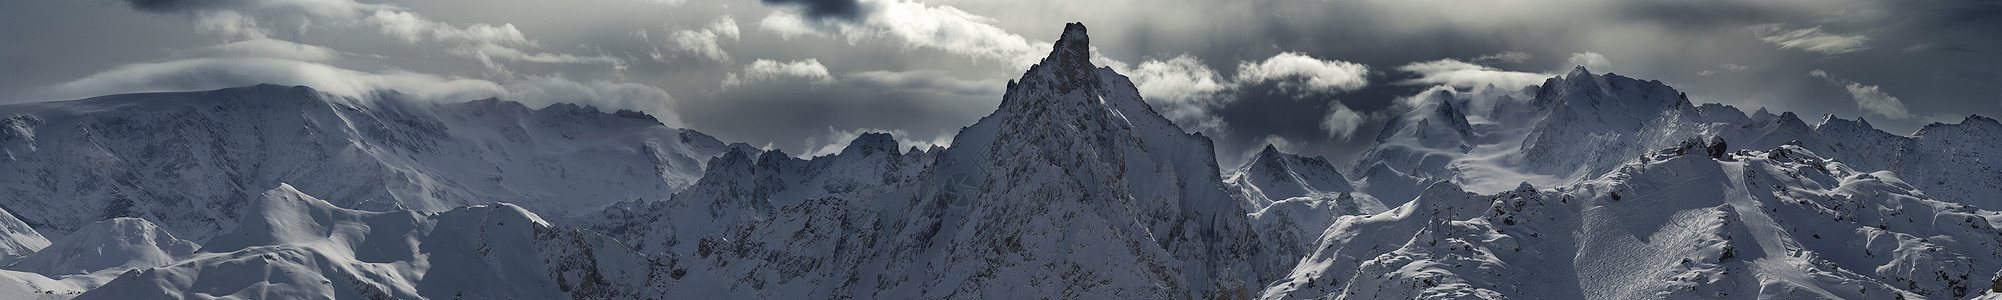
(114,245)
(92,256)
(189,160)
(1781,223)
(292,245)
(17,239)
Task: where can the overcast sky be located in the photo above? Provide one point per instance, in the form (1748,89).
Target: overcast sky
(1315,77)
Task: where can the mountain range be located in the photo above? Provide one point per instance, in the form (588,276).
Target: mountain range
(1587,186)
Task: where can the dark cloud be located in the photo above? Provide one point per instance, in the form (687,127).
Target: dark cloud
(927,67)
(176,6)
(846,9)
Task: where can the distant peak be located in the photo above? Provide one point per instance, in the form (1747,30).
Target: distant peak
(1577,71)
(1789,116)
(1269,152)
(1971,118)
(871,143)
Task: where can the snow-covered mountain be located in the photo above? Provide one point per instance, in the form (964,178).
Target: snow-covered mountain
(190,161)
(1582,125)
(1782,223)
(294,246)
(1292,199)
(1074,187)
(1588,186)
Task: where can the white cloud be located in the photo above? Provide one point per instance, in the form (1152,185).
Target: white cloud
(835,140)
(1591,61)
(487,43)
(231,24)
(1869,98)
(270,48)
(917,26)
(413,28)
(1725,67)
(933,81)
(1810,39)
(1341,122)
(768,70)
(1322,76)
(248,19)
(216,73)
(1467,75)
(704,41)
(503,52)
(1505,56)
(1184,90)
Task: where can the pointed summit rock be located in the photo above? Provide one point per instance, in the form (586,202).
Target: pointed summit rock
(1080,140)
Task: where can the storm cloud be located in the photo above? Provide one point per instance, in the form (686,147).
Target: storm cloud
(846,9)
(1318,77)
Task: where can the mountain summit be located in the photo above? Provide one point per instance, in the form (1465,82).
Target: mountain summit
(1073,186)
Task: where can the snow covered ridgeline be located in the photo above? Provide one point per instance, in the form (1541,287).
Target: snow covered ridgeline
(1582,125)
(191,160)
(294,246)
(1779,223)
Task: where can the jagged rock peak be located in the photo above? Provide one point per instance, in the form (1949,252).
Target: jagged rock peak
(1067,68)
(1833,122)
(1073,48)
(872,143)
